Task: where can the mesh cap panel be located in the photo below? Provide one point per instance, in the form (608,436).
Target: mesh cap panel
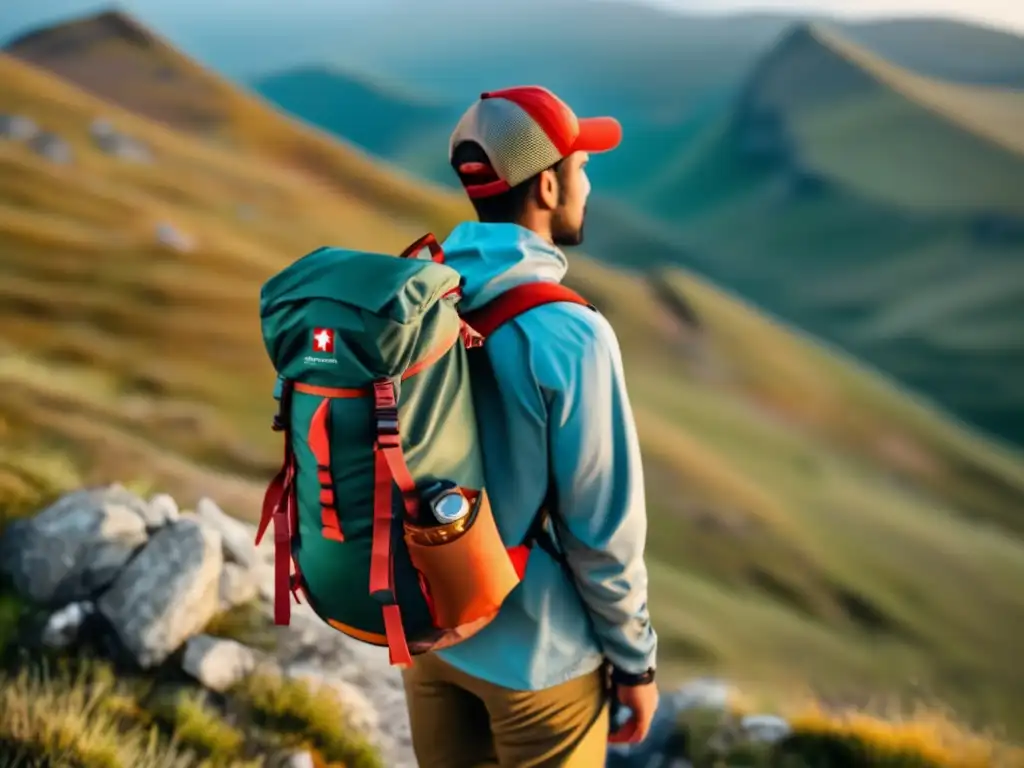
(516,145)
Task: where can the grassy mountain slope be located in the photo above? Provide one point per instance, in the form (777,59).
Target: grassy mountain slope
(822,533)
(879,209)
(118,59)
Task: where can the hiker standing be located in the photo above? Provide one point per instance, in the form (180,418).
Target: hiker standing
(557,433)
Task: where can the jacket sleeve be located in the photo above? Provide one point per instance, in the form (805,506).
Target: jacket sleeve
(595,459)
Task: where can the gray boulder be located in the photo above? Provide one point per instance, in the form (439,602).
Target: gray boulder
(75,547)
(168,593)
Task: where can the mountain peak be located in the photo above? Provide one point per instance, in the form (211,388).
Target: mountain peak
(69,36)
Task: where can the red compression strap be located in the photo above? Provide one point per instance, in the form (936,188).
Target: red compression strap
(320,444)
(389,469)
(279,508)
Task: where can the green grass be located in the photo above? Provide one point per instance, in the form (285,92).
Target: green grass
(198,726)
(305,718)
(246,624)
(809,525)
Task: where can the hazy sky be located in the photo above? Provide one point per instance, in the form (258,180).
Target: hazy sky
(1006,14)
(166,15)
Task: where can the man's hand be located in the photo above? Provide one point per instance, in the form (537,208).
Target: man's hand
(642,701)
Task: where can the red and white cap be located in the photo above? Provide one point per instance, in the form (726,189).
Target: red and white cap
(523,131)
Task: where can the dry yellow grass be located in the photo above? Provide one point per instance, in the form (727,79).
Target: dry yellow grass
(60,719)
(834,736)
(933,738)
(86,714)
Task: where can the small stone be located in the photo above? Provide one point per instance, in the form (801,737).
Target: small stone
(161,510)
(299,760)
(171,237)
(52,147)
(17,128)
(766,729)
(218,663)
(63,626)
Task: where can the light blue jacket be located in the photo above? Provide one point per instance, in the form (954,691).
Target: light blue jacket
(554,392)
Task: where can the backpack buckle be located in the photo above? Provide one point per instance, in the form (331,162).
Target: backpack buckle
(387,421)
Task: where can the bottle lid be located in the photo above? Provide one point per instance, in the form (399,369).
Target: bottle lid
(449,506)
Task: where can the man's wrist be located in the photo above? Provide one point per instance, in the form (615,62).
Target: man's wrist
(630,679)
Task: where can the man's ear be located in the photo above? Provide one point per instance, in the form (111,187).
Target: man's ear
(547,190)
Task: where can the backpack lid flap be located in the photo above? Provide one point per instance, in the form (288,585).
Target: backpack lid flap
(400,290)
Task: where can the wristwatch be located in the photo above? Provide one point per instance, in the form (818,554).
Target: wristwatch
(630,679)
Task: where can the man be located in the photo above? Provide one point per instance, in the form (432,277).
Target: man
(530,690)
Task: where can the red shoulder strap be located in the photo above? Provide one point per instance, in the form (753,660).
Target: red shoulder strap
(515,301)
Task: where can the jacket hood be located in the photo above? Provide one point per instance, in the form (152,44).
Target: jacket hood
(492,258)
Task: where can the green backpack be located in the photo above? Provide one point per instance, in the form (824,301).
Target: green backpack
(381,519)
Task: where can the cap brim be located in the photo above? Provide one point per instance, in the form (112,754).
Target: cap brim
(598,134)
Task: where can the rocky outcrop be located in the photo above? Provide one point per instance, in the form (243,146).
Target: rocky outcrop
(149,578)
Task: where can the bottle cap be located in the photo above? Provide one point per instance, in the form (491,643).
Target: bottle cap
(449,506)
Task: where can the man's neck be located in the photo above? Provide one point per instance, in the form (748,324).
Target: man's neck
(536,224)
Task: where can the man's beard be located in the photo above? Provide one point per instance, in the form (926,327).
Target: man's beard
(566,238)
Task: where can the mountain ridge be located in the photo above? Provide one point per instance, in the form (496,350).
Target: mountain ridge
(921,89)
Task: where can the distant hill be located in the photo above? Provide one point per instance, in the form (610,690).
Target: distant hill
(410,132)
(880,209)
(795,500)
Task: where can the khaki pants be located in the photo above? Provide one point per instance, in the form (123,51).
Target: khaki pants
(459,721)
